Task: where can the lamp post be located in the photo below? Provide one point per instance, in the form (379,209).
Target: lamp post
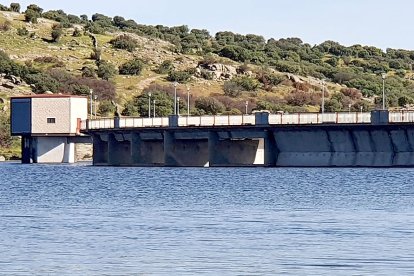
(188,101)
(178,106)
(95,97)
(91,100)
(383,75)
(149,105)
(323,97)
(361,109)
(246,105)
(153,103)
(175,97)
(349,108)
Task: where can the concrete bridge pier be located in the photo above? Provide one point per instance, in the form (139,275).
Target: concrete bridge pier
(147,149)
(186,149)
(227,149)
(100,149)
(119,150)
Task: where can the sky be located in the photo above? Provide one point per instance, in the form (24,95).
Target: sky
(380,23)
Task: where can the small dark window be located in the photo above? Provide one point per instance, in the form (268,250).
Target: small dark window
(51,120)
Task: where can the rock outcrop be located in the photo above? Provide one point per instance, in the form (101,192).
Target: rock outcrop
(217,70)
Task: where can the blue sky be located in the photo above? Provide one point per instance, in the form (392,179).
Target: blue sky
(380,23)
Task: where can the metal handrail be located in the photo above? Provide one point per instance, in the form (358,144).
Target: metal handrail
(239,120)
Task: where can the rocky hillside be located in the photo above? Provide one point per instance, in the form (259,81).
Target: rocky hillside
(122,61)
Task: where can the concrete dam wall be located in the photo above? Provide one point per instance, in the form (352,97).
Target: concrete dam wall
(363,145)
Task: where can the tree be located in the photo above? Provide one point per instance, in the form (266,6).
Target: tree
(179,76)
(31,16)
(132,67)
(106,70)
(165,67)
(139,105)
(56,33)
(124,42)
(35,8)
(209,105)
(15,7)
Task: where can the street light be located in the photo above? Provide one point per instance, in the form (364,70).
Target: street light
(323,97)
(95,98)
(246,105)
(91,95)
(361,109)
(188,101)
(383,75)
(349,108)
(175,97)
(153,103)
(149,105)
(178,105)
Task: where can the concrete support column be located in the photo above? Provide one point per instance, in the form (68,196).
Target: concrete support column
(185,152)
(100,151)
(26,147)
(146,152)
(119,150)
(271,151)
(235,152)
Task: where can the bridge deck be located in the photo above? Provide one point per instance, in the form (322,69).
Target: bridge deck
(240,120)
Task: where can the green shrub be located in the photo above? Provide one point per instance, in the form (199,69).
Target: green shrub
(106,70)
(179,76)
(232,88)
(31,16)
(22,31)
(106,108)
(88,72)
(132,67)
(124,42)
(165,67)
(247,83)
(210,105)
(56,33)
(42,82)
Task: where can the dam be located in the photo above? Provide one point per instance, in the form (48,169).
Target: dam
(376,139)
(51,125)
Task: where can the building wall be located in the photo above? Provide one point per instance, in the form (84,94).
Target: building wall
(58,108)
(78,109)
(54,150)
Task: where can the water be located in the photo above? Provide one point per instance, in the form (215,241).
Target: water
(83,220)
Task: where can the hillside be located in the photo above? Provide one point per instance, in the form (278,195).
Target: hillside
(122,60)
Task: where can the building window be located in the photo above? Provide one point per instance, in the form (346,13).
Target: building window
(51,120)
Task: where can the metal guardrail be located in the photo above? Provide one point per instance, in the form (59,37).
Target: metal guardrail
(239,120)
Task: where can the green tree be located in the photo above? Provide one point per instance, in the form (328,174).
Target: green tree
(56,33)
(31,16)
(165,67)
(124,42)
(210,105)
(132,67)
(106,70)
(106,108)
(163,105)
(15,7)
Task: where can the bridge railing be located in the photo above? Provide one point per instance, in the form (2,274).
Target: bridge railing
(401,117)
(318,118)
(239,120)
(133,122)
(229,120)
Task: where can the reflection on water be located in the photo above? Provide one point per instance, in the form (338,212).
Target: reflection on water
(83,220)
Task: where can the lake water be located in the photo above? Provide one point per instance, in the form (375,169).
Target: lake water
(84,220)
